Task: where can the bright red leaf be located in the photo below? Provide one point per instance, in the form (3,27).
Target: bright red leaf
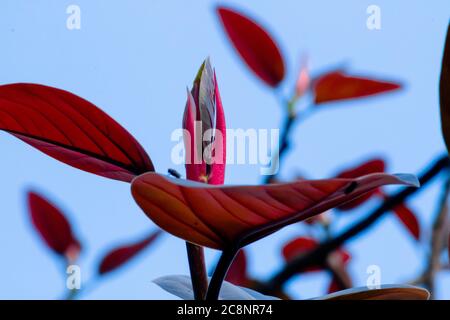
(372,166)
(337,85)
(72,130)
(53,227)
(255,46)
(237,273)
(218,216)
(123,254)
(409,220)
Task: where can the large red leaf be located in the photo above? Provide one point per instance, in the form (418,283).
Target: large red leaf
(72,130)
(409,220)
(255,46)
(53,227)
(337,85)
(237,273)
(368,167)
(220,216)
(123,254)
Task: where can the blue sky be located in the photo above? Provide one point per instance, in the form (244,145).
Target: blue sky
(135,59)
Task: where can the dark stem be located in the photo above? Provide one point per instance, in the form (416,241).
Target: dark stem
(319,254)
(196,259)
(197,268)
(284,142)
(224,263)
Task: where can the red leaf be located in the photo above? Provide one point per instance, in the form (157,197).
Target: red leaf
(121,255)
(337,85)
(298,247)
(218,216)
(409,220)
(72,130)
(334,286)
(255,46)
(386,292)
(237,273)
(53,227)
(368,167)
(302,245)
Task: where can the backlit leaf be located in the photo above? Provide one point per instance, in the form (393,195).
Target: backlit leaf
(337,85)
(72,130)
(386,292)
(123,254)
(255,46)
(218,216)
(53,227)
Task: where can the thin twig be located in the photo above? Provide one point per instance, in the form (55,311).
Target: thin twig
(224,263)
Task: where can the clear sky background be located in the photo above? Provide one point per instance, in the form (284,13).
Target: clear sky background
(134,60)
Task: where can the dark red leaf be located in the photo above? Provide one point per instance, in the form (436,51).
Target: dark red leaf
(302,245)
(72,130)
(337,85)
(368,167)
(334,286)
(121,255)
(298,247)
(409,220)
(53,227)
(237,273)
(444,90)
(220,216)
(255,46)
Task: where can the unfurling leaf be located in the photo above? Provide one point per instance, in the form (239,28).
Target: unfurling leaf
(337,85)
(220,216)
(53,227)
(372,166)
(444,91)
(205,129)
(181,286)
(409,220)
(72,130)
(121,255)
(237,273)
(386,292)
(255,46)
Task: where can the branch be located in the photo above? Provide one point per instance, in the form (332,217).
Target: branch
(437,242)
(320,254)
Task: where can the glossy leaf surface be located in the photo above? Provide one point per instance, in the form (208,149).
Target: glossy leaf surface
(218,216)
(72,130)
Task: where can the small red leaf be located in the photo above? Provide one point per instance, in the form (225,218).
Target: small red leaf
(298,247)
(334,286)
(302,245)
(237,273)
(255,46)
(368,167)
(72,130)
(337,85)
(409,220)
(121,255)
(53,227)
(220,216)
